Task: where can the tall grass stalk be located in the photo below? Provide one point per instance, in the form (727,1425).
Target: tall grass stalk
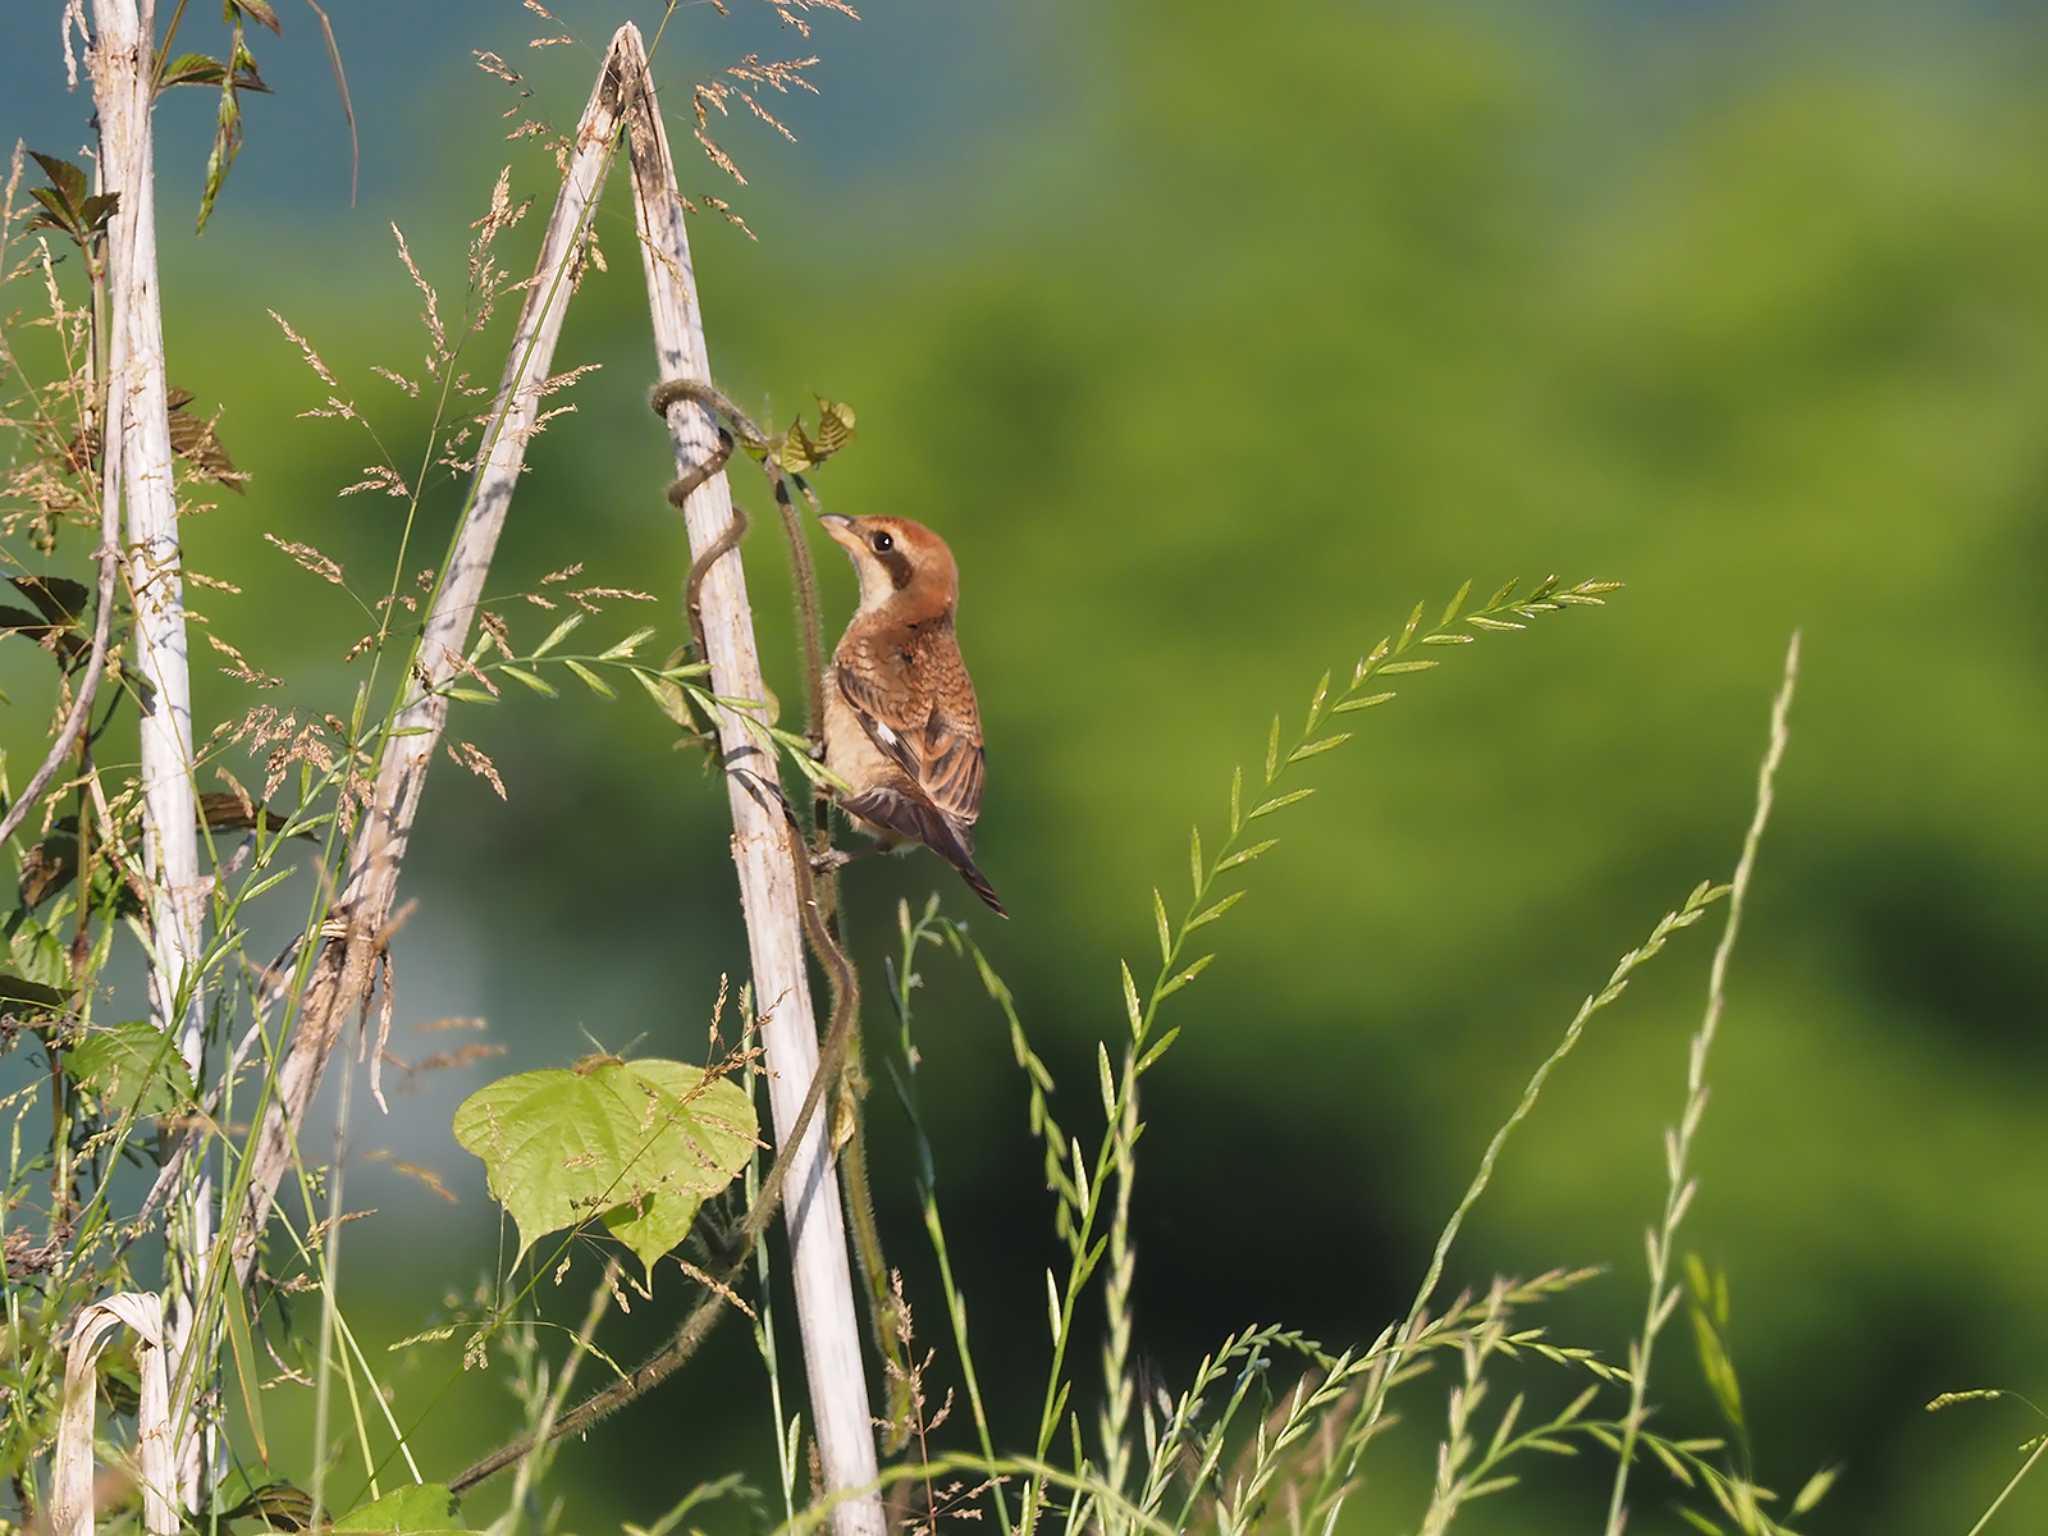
(1402,1339)
(1399,654)
(535,1461)
(1983,1520)
(1678,1140)
(903,980)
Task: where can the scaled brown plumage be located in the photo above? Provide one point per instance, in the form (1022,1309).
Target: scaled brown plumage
(901,724)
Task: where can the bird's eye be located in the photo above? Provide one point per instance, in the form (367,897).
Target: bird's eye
(883,543)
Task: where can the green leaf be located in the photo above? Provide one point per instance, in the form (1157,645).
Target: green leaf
(1281,802)
(19,989)
(1195,859)
(58,598)
(625,648)
(227,143)
(259,11)
(590,679)
(638,1143)
(1315,703)
(1186,976)
(132,1066)
(1368,702)
(1456,605)
(1245,855)
(1408,630)
(558,634)
(56,214)
(411,1511)
(1393,667)
(1273,751)
(668,698)
(835,426)
(193,69)
(1236,798)
(1165,928)
(279,1505)
(1314,749)
(1131,999)
(66,180)
(1210,914)
(1157,1050)
(537,683)
(1816,1489)
(243,1349)
(796,453)
(1671,1462)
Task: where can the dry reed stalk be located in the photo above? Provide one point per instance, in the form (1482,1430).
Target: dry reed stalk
(342,975)
(74,1485)
(827,1317)
(139,436)
(761,849)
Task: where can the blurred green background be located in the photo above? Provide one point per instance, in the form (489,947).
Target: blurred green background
(1212,337)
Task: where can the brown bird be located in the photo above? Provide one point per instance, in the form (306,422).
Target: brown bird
(901,726)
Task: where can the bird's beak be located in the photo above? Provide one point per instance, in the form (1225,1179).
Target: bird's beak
(840,529)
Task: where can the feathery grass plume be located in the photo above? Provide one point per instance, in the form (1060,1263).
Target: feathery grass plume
(1678,1140)
(903,977)
(2033,1449)
(1396,655)
(1337,1480)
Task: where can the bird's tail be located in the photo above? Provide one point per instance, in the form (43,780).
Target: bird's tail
(912,814)
(977,882)
(951,844)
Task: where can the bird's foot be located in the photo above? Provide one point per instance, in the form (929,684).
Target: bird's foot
(831,859)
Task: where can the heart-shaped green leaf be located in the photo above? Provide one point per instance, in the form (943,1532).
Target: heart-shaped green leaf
(410,1511)
(133,1065)
(637,1144)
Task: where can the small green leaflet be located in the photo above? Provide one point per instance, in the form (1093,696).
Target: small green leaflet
(590,679)
(532,680)
(1281,802)
(558,634)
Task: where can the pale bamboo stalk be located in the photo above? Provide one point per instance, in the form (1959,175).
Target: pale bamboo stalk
(138,419)
(343,973)
(73,1482)
(827,1317)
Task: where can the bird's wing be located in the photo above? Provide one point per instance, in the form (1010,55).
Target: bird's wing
(916,702)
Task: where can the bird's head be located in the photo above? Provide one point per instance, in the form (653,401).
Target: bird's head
(900,564)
